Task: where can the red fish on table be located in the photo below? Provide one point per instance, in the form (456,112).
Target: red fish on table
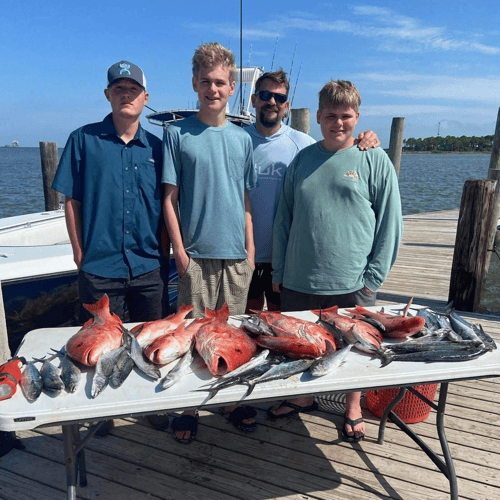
(348,326)
(97,336)
(223,346)
(291,347)
(395,326)
(173,345)
(145,333)
(288,326)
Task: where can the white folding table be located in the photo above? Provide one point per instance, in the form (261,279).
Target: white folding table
(139,395)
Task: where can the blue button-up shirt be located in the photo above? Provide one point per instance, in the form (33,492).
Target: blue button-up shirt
(119,188)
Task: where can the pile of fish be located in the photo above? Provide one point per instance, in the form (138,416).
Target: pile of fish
(266,346)
(445,337)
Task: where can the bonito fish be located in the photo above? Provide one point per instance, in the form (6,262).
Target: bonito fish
(329,362)
(145,333)
(178,370)
(98,335)
(223,346)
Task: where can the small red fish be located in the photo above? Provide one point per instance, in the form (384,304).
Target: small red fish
(287,326)
(173,345)
(146,332)
(345,325)
(97,336)
(223,346)
(395,326)
(291,347)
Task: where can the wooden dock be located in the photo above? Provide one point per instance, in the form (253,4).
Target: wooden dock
(300,457)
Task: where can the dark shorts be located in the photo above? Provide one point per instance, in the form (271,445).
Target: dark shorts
(297,301)
(262,286)
(145,297)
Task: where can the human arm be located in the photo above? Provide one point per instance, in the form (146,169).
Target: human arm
(249,241)
(73,213)
(172,222)
(367,140)
(386,202)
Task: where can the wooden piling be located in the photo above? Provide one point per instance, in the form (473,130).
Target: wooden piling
(494,175)
(301,120)
(50,160)
(471,244)
(396,142)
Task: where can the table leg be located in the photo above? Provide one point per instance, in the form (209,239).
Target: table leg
(446,467)
(69,460)
(79,451)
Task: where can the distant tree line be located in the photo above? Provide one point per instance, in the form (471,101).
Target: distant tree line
(450,143)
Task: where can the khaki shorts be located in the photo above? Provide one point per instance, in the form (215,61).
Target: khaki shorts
(212,283)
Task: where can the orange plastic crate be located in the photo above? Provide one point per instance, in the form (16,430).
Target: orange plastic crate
(410,409)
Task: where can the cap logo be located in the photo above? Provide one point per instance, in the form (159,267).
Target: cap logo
(125,69)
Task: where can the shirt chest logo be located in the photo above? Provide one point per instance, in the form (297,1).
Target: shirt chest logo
(351,176)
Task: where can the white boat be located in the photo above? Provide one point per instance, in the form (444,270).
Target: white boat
(239,113)
(38,275)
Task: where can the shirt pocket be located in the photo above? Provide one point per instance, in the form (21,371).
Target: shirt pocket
(148,179)
(236,169)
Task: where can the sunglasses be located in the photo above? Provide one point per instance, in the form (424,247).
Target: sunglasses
(265,95)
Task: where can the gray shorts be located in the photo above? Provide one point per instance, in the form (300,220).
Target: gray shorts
(213,282)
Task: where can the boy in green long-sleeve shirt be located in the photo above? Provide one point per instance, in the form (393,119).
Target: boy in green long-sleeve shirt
(338,225)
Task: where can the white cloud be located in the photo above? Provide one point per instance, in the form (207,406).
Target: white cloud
(420,86)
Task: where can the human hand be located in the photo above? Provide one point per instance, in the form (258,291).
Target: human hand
(277,287)
(367,140)
(182,263)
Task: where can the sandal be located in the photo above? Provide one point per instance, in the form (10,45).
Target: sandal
(241,413)
(351,438)
(295,409)
(186,423)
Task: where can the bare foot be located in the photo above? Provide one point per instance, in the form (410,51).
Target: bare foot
(353,412)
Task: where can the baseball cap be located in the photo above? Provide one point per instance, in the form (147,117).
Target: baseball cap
(125,69)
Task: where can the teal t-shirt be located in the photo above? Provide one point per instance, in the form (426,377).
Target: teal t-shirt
(213,167)
(338,224)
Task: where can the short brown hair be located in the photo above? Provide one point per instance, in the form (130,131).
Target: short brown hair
(212,54)
(279,77)
(339,93)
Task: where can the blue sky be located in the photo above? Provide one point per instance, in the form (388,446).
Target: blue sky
(434,63)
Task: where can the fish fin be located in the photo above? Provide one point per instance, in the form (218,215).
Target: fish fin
(386,359)
(184,308)
(333,309)
(407,307)
(102,303)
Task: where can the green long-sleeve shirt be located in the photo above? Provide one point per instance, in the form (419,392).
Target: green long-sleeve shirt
(339,224)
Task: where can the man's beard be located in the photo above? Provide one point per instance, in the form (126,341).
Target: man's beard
(265,122)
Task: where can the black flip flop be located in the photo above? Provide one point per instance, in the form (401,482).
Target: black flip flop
(241,413)
(352,423)
(295,409)
(185,423)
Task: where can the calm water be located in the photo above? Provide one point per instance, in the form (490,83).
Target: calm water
(428,182)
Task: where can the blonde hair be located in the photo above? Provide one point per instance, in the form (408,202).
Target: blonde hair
(339,93)
(208,55)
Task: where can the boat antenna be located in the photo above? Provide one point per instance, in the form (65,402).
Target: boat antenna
(293,58)
(293,95)
(146,106)
(248,64)
(241,56)
(275,45)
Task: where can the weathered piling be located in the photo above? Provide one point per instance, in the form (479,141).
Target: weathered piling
(50,159)
(301,120)
(471,244)
(396,142)
(494,174)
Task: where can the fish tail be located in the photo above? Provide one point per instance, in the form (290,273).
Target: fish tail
(101,304)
